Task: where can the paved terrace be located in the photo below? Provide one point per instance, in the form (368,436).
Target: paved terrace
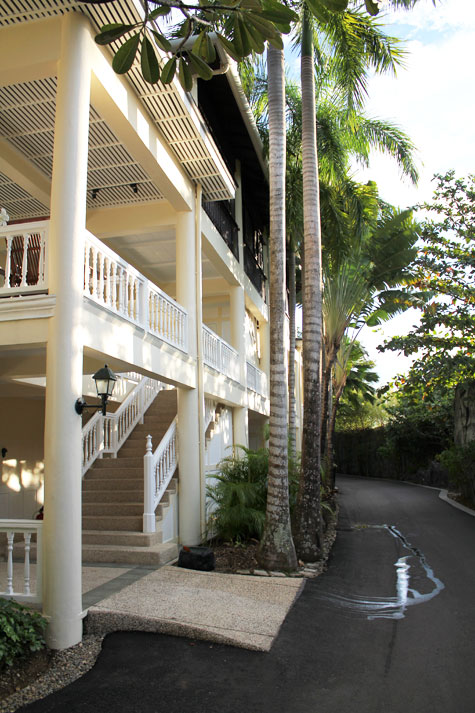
(241,610)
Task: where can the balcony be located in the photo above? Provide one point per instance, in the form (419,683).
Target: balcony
(219,355)
(220,215)
(109,281)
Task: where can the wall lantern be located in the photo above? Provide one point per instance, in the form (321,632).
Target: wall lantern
(105,381)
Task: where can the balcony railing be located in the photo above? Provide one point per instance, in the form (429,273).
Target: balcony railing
(254,272)
(219,355)
(256,379)
(222,219)
(24,260)
(109,281)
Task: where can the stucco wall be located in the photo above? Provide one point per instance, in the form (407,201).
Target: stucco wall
(21,432)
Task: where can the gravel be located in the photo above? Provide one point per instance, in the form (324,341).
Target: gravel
(64,668)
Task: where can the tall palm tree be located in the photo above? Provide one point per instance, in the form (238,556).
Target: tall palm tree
(276,549)
(354,51)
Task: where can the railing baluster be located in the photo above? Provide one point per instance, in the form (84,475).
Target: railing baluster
(26,572)
(10,538)
(8,264)
(24,261)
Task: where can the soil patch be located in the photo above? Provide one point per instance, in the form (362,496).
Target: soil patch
(234,558)
(23,672)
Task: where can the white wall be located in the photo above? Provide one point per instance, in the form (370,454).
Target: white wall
(21,432)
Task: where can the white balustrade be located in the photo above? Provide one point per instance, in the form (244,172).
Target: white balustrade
(118,287)
(219,355)
(159,468)
(22,532)
(107,434)
(25,265)
(256,379)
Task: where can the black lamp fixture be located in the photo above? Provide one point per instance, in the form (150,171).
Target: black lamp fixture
(105,381)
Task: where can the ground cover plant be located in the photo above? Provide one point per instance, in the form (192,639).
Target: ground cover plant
(21,632)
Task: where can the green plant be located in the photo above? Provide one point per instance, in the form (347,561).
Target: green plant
(21,632)
(238,494)
(460,463)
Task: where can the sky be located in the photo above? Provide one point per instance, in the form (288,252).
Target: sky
(433,100)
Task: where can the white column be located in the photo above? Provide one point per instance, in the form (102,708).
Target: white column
(238,341)
(62,523)
(188,273)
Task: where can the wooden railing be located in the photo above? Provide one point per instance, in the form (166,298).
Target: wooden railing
(22,532)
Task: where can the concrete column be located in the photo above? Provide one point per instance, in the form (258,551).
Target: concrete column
(62,524)
(238,341)
(188,275)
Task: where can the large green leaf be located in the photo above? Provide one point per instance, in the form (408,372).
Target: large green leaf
(149,63)
(161,41)
(229,47)
(335,5)
(110,33)
(168,72)
(372,7)
(184,75)
(200,67)
(277,13)
(159,11)
(125,55)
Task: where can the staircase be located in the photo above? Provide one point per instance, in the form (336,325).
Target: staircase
(113,499)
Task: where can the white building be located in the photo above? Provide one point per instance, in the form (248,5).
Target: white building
(135,238)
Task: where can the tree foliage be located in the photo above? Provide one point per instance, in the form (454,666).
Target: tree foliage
(444,341)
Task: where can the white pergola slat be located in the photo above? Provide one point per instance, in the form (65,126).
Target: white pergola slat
(27,113)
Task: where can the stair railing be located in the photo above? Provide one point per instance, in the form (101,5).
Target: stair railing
(107,434)
(159,468)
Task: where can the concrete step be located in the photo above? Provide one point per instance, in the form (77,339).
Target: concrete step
(120,554)
(111,495)
(119,509)
(125,462)
(118,537)
(112,522)
(118,472)
(100,483)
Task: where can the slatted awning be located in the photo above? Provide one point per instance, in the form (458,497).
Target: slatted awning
(27,122)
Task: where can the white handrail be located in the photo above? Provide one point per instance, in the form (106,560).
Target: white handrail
(159,468)
(256,379)
(118,287)
(219,355)
(107,434)
(27,528)
(25,268)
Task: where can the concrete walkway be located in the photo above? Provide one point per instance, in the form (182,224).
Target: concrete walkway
(241,610)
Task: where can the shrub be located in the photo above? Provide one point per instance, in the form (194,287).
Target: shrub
(21,632)
(238,495)
(460,462)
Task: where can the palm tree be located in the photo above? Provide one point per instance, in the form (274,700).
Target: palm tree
(276,549)
(355,48)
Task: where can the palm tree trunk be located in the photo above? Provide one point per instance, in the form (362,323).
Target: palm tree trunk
(292,305)
(326,408)
(276,549)
(308,523)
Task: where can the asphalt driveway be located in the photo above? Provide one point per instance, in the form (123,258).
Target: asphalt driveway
(389,628)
